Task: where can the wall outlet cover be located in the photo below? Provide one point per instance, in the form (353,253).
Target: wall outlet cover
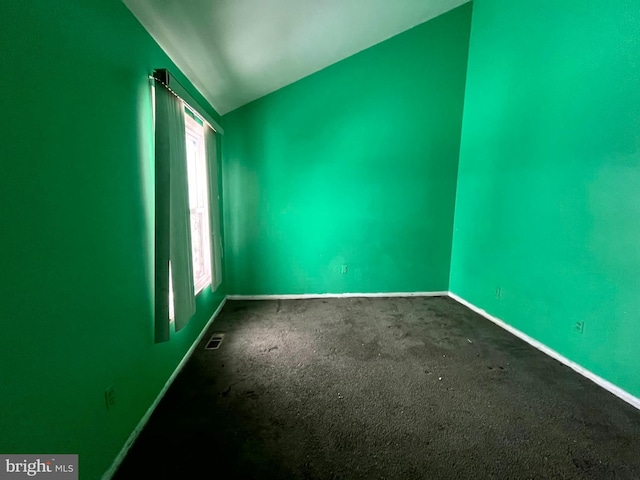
(110,397)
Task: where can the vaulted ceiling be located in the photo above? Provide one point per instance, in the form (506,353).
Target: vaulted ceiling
(235,51)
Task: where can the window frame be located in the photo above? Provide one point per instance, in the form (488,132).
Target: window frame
(194,131)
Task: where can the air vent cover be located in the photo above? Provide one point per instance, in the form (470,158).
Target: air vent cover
(215,341)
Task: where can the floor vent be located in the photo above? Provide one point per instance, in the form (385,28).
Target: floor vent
(215,341)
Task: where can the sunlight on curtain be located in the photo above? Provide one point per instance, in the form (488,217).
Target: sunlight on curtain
(214,208)
(173,230)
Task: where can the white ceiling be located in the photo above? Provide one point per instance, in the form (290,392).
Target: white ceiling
(235,51)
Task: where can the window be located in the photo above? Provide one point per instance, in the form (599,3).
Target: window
(198,207)
(198,203)
(187,240)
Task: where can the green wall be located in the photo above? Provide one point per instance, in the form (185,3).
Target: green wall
(354,165)
(76,263)
(548,199)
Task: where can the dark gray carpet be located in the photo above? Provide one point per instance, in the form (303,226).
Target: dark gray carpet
(397,388)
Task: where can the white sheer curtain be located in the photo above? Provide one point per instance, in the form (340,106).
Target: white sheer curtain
(214,208)
(173,224)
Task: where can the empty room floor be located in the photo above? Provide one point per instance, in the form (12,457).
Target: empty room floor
(377,388)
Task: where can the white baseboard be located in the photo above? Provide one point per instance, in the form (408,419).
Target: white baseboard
(337,295)
(143,421)
(607,385)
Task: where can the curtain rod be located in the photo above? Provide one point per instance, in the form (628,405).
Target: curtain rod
(165,77)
